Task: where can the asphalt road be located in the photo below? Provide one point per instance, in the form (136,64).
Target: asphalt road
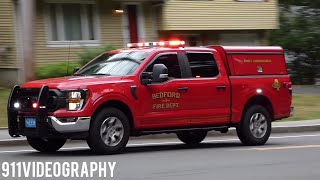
(285,156)
(306,90)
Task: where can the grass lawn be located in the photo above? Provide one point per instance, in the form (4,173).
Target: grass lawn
(306,107)
(4,95)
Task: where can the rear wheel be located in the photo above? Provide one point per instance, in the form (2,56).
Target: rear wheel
(192,137)
(109,132)
(46,145)
(255,127)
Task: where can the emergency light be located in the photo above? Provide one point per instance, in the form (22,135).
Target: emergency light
(175,43)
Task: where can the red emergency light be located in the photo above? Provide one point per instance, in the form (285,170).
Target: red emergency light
(175,43)
(34,105)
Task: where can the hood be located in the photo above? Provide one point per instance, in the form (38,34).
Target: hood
(72,82)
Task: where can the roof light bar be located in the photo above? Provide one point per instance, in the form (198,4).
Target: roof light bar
(175,43)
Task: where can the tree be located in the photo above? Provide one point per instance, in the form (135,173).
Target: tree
(299,34)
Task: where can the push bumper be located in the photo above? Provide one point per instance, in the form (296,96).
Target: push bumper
(45,125)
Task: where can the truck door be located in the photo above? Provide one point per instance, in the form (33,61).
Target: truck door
(161,102)
(207,101)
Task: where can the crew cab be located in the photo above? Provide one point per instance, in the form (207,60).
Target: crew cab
(156,87)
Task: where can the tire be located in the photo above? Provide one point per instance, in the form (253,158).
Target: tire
(109,132)
(255,127)
(192,137)
(46,145)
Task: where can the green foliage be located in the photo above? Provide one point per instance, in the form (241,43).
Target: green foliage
(300,36)
(61,69)
(89,54)
(55,70)
(307,3)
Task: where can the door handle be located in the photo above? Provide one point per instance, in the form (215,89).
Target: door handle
(223,88)
(185,89)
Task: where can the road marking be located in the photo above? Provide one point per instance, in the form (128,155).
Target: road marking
(285,147)
(30,150)
(6,140)
(288,126)
(296,136)
(178,142)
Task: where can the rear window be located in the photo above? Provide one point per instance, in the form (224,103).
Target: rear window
(202,65)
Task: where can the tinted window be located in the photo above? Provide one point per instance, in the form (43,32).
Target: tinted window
(172,63)
(203,65)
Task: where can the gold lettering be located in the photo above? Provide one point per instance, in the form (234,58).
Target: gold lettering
(161,95)
(257,61)
(165,106)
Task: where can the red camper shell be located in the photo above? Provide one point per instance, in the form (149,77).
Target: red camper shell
(246,60)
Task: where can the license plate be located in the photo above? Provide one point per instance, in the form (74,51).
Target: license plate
(30,122)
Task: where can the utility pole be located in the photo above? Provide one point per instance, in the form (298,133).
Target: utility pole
(28,17)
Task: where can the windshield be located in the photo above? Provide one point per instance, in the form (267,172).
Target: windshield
(123,63)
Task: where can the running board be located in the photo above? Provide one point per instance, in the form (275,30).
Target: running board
(216,128)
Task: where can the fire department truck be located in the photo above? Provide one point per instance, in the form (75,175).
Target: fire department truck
(156,87)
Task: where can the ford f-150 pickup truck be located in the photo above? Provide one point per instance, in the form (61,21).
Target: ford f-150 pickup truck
(156,87)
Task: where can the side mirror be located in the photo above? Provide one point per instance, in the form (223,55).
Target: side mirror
(76,69)
(159,73)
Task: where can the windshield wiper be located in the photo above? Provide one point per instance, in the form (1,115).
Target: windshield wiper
(100,74)
(78,75)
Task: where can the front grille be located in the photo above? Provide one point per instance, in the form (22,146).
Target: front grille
(55,100)
(26,97)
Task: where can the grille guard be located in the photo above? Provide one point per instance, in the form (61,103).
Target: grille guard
(41,113)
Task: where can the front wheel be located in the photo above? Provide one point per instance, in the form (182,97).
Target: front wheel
(46,145)
(109,132)
(192,137)
(255,127)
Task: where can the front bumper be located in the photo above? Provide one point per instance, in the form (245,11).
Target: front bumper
(45,125)
(81,124)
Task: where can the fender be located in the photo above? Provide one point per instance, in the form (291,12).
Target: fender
(115,96)
(246,96)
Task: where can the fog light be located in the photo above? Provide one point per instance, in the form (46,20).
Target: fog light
(16,105)
(68,120)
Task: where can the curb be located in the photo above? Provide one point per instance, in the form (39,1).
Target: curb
(231,132)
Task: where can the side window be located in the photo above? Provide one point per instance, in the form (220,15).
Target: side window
(172,63)
(202,65)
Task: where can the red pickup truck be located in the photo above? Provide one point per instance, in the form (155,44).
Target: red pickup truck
(158,87)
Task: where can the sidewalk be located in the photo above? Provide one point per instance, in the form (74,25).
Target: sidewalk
(277,127)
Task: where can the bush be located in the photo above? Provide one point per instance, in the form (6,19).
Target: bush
(60,69)
(55,70)
(88,54)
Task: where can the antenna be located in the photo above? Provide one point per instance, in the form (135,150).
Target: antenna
(68,57)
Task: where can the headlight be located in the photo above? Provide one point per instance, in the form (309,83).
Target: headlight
(76,100)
